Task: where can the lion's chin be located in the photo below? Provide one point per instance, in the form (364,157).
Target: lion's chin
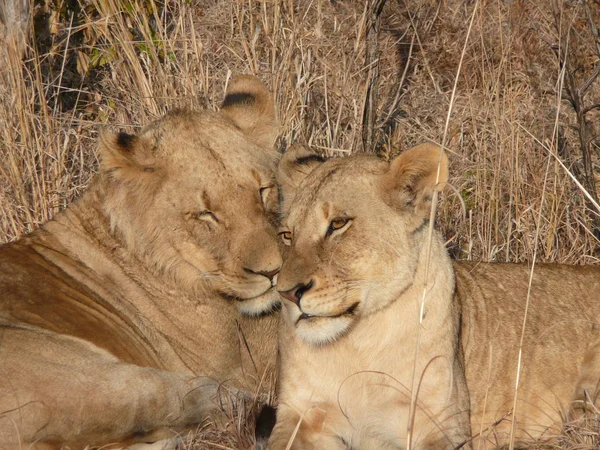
(262,305)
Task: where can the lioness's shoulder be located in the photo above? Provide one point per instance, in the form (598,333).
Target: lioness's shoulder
(492,271)
(504,283)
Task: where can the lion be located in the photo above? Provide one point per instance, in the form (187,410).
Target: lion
(122,316)
(388,344)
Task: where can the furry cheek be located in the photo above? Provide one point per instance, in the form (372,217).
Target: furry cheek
(195,256)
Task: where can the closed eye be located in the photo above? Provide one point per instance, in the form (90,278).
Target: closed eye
(205,215)
(265,193)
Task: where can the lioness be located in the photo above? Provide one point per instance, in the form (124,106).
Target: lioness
(366,364)
(109,312)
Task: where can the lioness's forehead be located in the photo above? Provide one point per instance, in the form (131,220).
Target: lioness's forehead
(337,181)
(208,141)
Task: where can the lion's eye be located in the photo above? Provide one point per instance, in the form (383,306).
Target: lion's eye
(286,237)
(205,215)
(337,224)
(265,193)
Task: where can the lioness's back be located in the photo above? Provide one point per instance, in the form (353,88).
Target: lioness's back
(563,323)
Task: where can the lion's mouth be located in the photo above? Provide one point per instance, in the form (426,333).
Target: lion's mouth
(237,298)
(349,311)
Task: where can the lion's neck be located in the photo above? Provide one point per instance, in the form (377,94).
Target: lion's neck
(85,231)
(86,218)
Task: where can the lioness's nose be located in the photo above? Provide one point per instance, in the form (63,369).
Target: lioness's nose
(295,294)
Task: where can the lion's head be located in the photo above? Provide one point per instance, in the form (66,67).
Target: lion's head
(193,194)
(354,228)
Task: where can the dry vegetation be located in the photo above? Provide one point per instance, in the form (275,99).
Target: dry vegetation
(523,136)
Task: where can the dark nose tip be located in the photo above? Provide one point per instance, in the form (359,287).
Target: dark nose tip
(295,294)
(265,273)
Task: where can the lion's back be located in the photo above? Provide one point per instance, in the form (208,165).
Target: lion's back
(39,294)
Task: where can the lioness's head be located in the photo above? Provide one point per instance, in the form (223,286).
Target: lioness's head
(194,195)
(354,227)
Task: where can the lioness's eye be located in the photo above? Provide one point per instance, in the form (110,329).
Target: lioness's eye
(337,224)
(286,237)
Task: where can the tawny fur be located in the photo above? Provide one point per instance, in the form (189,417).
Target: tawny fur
(357,230)
(121,316)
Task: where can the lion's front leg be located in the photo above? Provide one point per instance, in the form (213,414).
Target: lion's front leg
(303,432)
(66,391)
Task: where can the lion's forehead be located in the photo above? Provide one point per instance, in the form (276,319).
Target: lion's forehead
(209,147)
(209,140)
(225,169)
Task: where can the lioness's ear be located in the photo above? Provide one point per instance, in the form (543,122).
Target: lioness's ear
(249,104)
(297,162)
(126,156)
(413,177)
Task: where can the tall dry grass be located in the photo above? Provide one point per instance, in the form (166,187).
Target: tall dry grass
(105,64)
(513,140)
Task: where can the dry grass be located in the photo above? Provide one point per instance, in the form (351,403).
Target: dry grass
(122,64)
(234,430)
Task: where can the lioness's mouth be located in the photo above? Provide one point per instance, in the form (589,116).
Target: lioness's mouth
(349,311)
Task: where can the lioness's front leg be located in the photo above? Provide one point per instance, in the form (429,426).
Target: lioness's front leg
(304,432)
(54,385)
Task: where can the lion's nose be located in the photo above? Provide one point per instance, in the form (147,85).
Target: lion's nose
(295,294)
(270,274)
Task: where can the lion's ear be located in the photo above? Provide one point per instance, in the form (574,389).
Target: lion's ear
(126,156)
(249,104)
(413,177)
(295,165)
